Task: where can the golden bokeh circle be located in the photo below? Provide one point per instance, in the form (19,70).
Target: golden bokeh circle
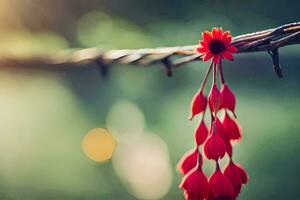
(99,144)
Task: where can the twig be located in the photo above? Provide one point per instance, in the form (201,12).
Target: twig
(266,40)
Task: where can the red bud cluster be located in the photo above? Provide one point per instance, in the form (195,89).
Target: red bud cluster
(216,140)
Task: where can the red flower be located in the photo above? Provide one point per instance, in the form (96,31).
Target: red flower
(232,129)
(198,104)
(189,161)
(237,175)
(216,45)
(195,185)
(201,133)
(228,98)
(220,187)
(214,147)
(214,99)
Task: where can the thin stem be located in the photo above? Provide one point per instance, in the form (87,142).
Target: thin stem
(221,73)
(199,160)
(217,165)
(205,77)
(215,74)
(212,119)
(203,115)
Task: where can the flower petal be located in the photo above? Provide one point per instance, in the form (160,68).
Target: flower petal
(206,35)
(207,56)
(227,55)
(203,43)
(219,34)
(227,40)
(202,50)
(214,32)
(225,35)
(232,49)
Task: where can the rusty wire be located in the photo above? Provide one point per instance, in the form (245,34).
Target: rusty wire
(267,40)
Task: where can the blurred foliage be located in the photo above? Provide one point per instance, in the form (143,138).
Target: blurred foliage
(45,115)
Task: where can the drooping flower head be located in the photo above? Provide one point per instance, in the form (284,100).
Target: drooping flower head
(216,45)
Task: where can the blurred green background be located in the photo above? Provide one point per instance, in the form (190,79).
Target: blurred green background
(45,115)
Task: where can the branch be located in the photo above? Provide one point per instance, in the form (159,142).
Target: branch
(267,40)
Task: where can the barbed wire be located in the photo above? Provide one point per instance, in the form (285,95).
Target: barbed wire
(269,40)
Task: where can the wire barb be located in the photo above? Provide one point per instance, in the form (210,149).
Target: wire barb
(103,68)
(276,64)
(168,66)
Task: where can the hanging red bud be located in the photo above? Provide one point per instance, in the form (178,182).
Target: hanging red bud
(228,98)
(201,133)
(198,105)
(220,187)
(195,185)
(219,129)
(237,175)
(214,147)
(189,161)
(232,129)
(214,99)
(215,45)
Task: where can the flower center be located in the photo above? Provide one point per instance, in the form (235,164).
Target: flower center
(216,46)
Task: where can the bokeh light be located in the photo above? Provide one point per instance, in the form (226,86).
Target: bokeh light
(144,167)
(99,144)
(125,121)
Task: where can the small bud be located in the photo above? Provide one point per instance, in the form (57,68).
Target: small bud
(232,129)
(219,129)
(237,176)
(198,104)
(214,99)
(214,147)
(220,186)
(201,133)
(228,98)
(195,185)
(189,161)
